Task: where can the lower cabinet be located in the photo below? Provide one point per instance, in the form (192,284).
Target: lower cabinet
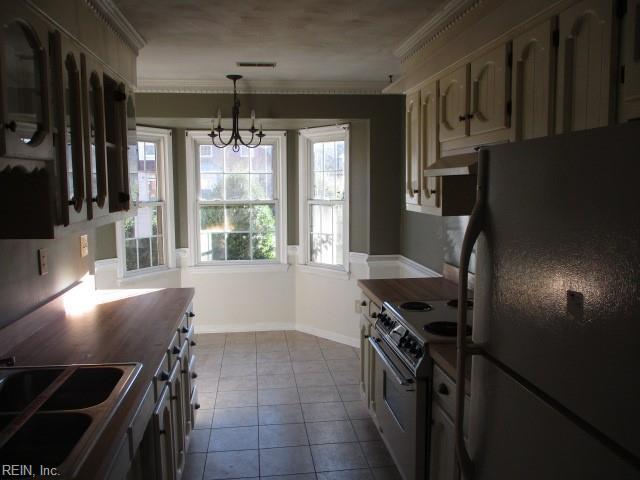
(158,438)
(443,465)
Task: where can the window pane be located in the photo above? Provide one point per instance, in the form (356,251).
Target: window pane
(238,246)
(262,186)
(211,187)
(236,162)
(129,227)
(325,224)
(340,185)
(211,159)
(156,220)
(212,219)
(321,248)
(261,159)
(317,186)
(263,218)
(237,186)
(212,246)
(144,253)
(330,156)
(338,241)
(130,255)
(264,246)
(148,187)
(238,218)
(317,157)
(329,186)
(340,155)
(143,222)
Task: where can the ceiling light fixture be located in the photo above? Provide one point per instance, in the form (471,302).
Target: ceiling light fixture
(235,138)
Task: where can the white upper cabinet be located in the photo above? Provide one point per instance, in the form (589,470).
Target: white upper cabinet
(585,66)
(429,145)
(454,104)
(534,56)
(490,91)
(629,93)
(413,170)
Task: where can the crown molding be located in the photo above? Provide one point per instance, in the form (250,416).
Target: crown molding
(153,85)
(443,20)
(109,13)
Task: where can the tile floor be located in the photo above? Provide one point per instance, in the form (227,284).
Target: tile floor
(282,405)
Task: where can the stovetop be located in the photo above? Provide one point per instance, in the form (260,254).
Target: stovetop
(410,326)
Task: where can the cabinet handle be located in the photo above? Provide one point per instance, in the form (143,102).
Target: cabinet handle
(194,375)
(196,406)
(191,314)
(475,93)
(462,118)
(363,303)
(162,432)
(442,389)
(374,315)
(193,343)
(175,350)
(184,330)
(11,126)
(416,191)
(164,376)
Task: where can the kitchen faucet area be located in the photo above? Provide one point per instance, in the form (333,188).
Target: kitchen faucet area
(358,240)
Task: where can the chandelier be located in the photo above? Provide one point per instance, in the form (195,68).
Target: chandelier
(235,138)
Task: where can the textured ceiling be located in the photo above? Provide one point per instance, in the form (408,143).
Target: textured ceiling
(311,40)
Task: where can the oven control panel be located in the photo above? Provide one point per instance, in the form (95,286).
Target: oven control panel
(411,347)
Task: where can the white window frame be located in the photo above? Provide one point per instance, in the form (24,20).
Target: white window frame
(163,138)
(278,139)
(307,138)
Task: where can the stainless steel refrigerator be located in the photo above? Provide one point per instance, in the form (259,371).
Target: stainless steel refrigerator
(555,388)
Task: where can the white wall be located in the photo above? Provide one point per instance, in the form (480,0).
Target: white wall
(288,297)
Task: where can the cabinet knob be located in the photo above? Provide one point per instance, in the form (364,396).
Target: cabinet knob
(164,376)
(162,432)
(470,116)
(462,118)
(11,126)
(193,343)
(196,406)
(191,314)
(433,192)
(416,191)
(175,350)
(363,303)
(184,330)
(374,315)
(442,389)
(194,375)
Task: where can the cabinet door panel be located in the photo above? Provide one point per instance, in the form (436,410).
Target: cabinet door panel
(490,90)
(413,148)
(533,82)
(442,459)
(163,436)
(430,146)
(584,66)
(454,105)
(630,55)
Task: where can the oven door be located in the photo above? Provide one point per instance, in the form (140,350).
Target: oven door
(401,405)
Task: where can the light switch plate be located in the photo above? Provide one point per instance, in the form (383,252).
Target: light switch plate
(43,261)
(84,245)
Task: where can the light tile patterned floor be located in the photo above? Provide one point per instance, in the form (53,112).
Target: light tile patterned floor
(282,405)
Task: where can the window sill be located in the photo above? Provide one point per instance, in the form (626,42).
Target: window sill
(136,276)
(247,268)
(324,271)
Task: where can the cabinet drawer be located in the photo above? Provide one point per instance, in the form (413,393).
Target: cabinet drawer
(161,376)
(173,350)
(189,315)
(444,393)
(121,461)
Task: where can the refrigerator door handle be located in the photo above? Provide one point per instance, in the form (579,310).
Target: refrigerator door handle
(471,235)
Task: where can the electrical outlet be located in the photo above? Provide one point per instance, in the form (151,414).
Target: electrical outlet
(84,245)
(43,261)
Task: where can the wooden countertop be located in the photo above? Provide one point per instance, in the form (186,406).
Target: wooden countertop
(408,289)
(85,326)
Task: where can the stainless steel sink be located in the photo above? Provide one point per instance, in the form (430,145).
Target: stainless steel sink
(53,415)
(20,388)
(46,439)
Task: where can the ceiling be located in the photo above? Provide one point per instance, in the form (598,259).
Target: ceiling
(199,41)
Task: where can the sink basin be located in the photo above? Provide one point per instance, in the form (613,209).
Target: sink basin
(85,388)
(46,439)
(20,388)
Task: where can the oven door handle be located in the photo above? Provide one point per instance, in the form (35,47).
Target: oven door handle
(397,375)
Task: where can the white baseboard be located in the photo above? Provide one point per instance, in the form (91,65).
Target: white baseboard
(245,327)
(336,337)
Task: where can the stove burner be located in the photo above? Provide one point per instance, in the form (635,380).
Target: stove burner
(445,329)
(454,303)
(416,306)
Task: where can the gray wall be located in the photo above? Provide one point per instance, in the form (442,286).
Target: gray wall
(22,289)
(376,159)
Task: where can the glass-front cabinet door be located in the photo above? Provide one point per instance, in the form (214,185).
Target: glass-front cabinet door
(24,98)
